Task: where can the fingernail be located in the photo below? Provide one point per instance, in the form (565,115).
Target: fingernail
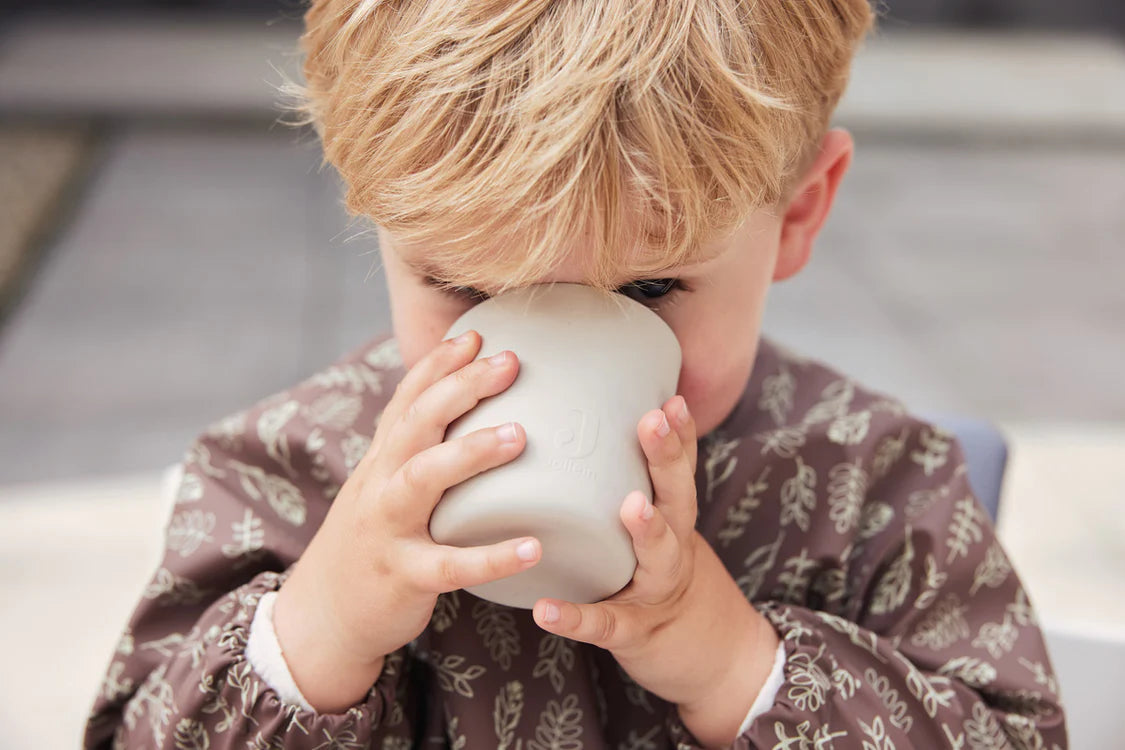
(498,359)
(663,429)
(508,433)
(526,551)
(683,409)
(647,511)
(551,613)
(462,339)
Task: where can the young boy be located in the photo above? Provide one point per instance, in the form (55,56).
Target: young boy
(813,570)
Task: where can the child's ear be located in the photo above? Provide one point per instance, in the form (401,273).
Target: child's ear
(811,200)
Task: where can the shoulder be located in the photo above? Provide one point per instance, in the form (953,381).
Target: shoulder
(825,444)
(810,409)
(314,432)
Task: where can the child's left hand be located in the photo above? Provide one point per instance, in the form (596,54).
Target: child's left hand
(681,626)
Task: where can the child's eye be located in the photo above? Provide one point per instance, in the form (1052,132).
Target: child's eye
(646,291)
(460,292)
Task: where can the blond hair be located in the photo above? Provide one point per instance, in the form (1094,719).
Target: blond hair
(497,135)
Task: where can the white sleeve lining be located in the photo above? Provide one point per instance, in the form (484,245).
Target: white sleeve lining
(769,689)
(264,654)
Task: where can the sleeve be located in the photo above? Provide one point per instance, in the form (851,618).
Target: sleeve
(768,693)
(929,640)
(255,488)
(263,651)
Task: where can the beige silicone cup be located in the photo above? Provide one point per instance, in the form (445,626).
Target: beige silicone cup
(591,364)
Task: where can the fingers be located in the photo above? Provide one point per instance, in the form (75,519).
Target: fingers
(655,545)
(423,423)
(671,467)
(597,624)
(448,356)
(440,568)
(414,490)
(684,425)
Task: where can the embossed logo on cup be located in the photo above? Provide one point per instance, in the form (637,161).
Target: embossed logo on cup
(580,443)
(576,443)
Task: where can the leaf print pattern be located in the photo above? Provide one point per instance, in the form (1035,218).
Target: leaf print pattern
(997,638)
(454,679)
(559,726)
(719,463)
(785,442)
(354,378)
(877,734)
(898,711)
(282,495)
(337,411)
(982,730)
(848,524)
(114,684)
(556,654)
(647,741)
(506,713)
(934,582)
(894,586)
(777,395)
(821,738)
(191,735)
(798,497)
(249,538)
(167,588)
(270,425)
(155,702)
(795,578)
(834,403)
(445,611)
(739,515)
(965,529)
(969,670)
(188,529)
(384,356)
(850,429)
(757,565)
(944,625)
(847,484)
(935,450)
(887,454)
(993,569)
(497,625)
(354,447)
(809,682)
(190,489)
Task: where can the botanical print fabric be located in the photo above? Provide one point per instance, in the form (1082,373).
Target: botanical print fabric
(848,523)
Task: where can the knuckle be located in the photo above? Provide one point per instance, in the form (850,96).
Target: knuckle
(412,414)
(607,630)
(490,566)
(467,375)
(449,573)
(413,474)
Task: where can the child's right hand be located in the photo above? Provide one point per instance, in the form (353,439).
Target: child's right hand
(368,581)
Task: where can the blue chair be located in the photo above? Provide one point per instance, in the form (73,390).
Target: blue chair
(986,455)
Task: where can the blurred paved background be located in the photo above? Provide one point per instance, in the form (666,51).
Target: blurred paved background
(192,259)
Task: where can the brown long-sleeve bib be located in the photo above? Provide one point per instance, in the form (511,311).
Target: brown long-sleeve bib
(848,523)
